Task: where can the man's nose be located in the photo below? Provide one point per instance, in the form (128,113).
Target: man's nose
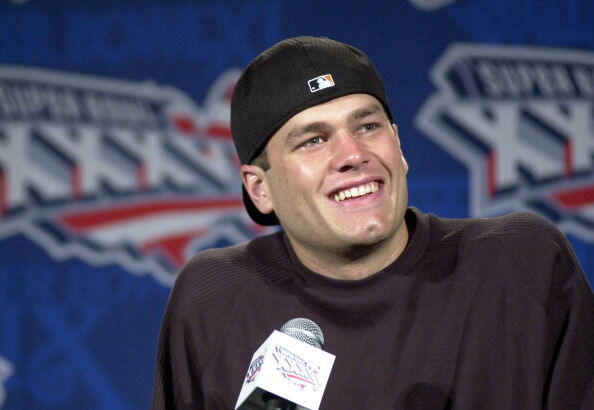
(348,153)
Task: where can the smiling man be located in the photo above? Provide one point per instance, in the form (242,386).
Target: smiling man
(421,312)
(336,180)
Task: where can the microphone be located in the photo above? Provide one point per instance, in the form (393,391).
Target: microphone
(288,371)
(304,330)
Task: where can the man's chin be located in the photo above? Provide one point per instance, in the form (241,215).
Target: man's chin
(365,238)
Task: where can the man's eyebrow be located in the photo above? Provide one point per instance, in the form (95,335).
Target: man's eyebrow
(317,126)
(320,126)
(364,112)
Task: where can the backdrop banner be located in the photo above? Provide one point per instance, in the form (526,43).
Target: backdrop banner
(117,165)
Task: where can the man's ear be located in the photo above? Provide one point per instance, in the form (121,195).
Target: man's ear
(256,185)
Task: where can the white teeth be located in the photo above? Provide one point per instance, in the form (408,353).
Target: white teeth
(356,191)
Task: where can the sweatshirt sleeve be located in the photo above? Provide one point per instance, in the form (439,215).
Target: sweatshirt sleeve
(557,279)
(571,334)
(192,328)
(177,382)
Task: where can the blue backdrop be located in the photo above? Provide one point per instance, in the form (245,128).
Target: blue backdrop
(116,162)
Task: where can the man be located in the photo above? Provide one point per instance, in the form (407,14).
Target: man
(421,312)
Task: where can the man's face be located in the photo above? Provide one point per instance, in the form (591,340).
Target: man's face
(337,178)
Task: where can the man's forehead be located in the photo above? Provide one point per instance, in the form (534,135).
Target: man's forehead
(350,108)
(341,106)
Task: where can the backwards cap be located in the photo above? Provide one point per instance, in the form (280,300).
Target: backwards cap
(288,78)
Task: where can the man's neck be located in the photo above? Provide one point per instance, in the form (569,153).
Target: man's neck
(355,262)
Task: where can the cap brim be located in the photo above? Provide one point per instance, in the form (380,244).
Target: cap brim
(257,216)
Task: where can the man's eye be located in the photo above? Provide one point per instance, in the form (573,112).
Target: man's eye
(313,141)
(369,127)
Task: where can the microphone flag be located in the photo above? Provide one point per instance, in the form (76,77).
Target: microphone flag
(288,369)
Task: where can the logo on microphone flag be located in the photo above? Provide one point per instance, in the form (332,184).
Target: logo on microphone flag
(288,368)
(296,369)
(254,368)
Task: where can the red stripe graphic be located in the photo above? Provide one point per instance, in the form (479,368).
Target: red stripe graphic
(219,131)
(305,381)
(142,176)
(492,173)
(575,198)
(568,156)
(85,220)
(174,245)
(3,193)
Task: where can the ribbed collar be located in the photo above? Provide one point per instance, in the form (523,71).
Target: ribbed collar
(419,230)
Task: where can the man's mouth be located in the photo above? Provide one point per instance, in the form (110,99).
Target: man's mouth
(356,191)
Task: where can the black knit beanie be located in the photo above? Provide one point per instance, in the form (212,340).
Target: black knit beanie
(284,80)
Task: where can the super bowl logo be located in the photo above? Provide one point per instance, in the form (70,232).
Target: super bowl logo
(113,171)
(521,120)
(254,369)
(296,370)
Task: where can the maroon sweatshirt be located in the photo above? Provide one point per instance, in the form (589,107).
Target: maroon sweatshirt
(476,314)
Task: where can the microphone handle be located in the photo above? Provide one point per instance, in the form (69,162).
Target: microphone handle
(273,402)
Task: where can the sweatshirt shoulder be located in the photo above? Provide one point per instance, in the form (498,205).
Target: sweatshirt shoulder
(518,245)
(217,271)
(515,227)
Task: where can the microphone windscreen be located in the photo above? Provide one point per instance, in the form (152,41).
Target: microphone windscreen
(304,330)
